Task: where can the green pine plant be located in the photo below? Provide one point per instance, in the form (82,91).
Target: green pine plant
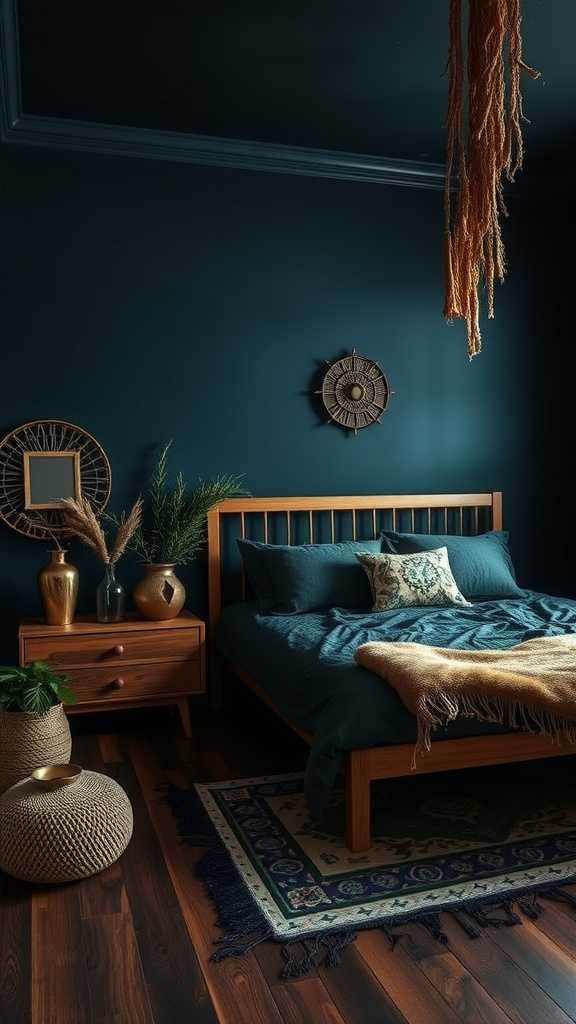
(34,688)
(173,527)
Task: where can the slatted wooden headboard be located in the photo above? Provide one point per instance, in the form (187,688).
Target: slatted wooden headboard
(372,505)
(482,511)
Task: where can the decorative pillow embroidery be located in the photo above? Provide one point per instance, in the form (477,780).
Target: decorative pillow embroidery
(403,581)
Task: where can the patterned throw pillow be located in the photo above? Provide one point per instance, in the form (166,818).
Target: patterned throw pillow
(402,581)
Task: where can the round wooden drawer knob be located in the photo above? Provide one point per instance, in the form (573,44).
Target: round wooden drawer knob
(119,649)
(118,684)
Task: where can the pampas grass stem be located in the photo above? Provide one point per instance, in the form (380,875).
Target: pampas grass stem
(81,520)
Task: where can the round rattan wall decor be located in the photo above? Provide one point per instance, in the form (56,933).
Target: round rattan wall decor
(42,462)
(355,392)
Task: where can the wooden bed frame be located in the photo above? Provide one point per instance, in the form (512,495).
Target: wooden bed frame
(386,762)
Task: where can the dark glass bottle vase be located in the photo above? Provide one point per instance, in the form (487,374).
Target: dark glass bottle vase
(110,598)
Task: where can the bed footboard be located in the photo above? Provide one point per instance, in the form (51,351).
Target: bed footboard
(364,766)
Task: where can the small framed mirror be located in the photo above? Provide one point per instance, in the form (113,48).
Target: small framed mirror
(49,477)
(41,463)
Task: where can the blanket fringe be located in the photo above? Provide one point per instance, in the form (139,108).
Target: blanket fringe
(244,926)
(438,709)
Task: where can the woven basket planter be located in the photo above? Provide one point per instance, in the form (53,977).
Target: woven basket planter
(28,741)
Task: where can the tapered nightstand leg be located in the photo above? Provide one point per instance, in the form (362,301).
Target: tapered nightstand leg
(184,709)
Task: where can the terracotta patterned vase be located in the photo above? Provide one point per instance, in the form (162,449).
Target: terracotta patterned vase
(29,740)
(159,594)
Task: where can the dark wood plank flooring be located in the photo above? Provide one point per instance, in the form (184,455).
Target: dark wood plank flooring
(132,945)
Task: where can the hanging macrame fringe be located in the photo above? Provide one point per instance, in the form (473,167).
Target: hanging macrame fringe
(243,926)
(481,153)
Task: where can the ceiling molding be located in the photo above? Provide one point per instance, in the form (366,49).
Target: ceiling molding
(93,137)
(62,133)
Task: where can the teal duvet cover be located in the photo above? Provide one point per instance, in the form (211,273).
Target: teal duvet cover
(306,665)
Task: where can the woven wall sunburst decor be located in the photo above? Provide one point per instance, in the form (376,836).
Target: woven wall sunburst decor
(354,392)
(42,462)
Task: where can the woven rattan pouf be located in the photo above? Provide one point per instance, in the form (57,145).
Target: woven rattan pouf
(71,831)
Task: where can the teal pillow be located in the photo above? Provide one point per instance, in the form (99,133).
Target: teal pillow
(288,579)
(482,565)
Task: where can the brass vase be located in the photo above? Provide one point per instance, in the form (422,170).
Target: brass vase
(58,584)
(159,594)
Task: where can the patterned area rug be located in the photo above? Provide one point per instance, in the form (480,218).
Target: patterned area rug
(458,843)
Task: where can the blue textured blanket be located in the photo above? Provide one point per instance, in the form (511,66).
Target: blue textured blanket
(306,665)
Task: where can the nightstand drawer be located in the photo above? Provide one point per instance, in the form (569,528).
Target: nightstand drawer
(118,684)
(114,648)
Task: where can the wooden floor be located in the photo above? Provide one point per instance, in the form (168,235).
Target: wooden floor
(132,945)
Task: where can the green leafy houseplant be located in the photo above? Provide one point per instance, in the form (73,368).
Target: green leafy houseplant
(33,688)
(173,527)
(171,532)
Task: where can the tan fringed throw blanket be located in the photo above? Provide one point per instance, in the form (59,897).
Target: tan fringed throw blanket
(530,686)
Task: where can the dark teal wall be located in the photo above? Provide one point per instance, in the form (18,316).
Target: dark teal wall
(146,300)
(549,297)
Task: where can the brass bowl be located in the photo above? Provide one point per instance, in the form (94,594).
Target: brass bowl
(53,775)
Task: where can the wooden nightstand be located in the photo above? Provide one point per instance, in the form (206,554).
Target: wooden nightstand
(130,664)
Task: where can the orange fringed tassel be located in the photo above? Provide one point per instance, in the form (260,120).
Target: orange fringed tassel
(480,157)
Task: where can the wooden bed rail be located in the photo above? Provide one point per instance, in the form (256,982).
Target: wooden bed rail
(375,504)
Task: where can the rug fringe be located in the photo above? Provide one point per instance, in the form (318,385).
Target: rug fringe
(472,930)
(244,926)
(488,916)
(431,923)
(393,937)
(530,906)
(325,949)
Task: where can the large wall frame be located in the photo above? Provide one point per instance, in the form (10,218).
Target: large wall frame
(65,133)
